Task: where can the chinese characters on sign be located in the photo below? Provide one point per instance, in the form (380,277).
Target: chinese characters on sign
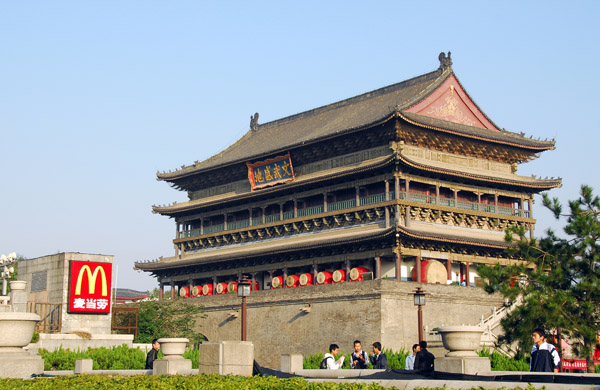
(90,287)
(270,172)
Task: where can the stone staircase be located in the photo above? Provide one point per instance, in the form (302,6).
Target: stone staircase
(492,330)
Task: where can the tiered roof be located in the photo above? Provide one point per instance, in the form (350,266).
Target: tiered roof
(435,101)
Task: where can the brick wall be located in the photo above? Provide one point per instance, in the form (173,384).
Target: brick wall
(380,310)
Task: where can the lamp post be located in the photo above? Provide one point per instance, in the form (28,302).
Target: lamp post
(244,287)
(419,296)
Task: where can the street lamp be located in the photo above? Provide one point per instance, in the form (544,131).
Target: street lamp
(419,296)
(244,287)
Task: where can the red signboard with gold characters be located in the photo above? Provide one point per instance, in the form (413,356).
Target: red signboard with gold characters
(270,172)
(90,287)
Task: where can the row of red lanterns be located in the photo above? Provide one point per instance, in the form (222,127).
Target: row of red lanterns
(323,277)
(306,279)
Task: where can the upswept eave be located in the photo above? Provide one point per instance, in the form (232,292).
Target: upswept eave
(504,137)
(287,245)
(524,182)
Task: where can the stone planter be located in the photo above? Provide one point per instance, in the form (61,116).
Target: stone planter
(16,330)
(17,285)
(173,362)
(173,347)
(461,341)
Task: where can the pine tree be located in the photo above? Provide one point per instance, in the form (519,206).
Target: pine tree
(557,278)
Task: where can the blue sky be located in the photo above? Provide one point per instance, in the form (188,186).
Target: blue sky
(98,96)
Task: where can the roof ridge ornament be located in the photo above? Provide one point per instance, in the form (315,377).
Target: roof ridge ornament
(254,122)
(445,62)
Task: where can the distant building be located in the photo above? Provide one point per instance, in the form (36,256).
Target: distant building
(412,181)
(125,295)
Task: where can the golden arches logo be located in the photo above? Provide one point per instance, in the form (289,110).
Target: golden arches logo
(91,280)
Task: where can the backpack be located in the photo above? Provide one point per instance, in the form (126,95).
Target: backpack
(323,365)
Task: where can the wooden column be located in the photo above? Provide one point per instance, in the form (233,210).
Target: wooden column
(253,281)
(387,189)
(250,217)
(377,267)
(347,270)
(387,208)
(325,202)
(162,291)
(418,265)
(315,273)
(271,278)
(357,191)
(437,194)
(172,290)
(295,208)
(201,225)
(285,275)
(264,209)
(225,221)
(281,211)
(467,276)
(398,267)
(397,187)
(449,269)
(496,203)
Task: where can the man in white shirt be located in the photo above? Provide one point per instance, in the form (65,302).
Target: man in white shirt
(329,361)
(410,359)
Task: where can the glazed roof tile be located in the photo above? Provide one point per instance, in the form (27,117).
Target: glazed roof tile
(349,115)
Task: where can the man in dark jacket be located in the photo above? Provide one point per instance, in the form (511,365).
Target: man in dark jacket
(152,355)
(378,358)
(424,359)
(544,356)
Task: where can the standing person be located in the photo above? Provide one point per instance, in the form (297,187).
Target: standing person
(378,358)
(544,356)
(152,355)
(329,362)
(410,359)
(359,359)
(424,359)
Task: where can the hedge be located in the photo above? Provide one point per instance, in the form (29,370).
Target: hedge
(194,382)
(115,358)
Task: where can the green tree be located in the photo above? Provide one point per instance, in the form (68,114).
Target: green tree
(166,318)
(557,278)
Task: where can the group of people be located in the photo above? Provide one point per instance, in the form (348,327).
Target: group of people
(544,356)
(421,358)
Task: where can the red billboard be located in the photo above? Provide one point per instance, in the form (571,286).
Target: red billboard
(90,287)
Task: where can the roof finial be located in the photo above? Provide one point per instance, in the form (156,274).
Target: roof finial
(445,62)
(254,122)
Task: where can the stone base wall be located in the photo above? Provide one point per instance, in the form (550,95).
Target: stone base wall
(305,320)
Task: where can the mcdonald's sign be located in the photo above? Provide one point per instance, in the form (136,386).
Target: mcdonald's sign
(90,287)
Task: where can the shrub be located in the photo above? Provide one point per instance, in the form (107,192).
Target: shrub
(115,358)
(500,362)
(229,382)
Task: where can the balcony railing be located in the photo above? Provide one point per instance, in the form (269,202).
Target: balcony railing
(344,204)
(271,218)
(310,211)
(237,225)
(370,199)
(214,229)
(366,200)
